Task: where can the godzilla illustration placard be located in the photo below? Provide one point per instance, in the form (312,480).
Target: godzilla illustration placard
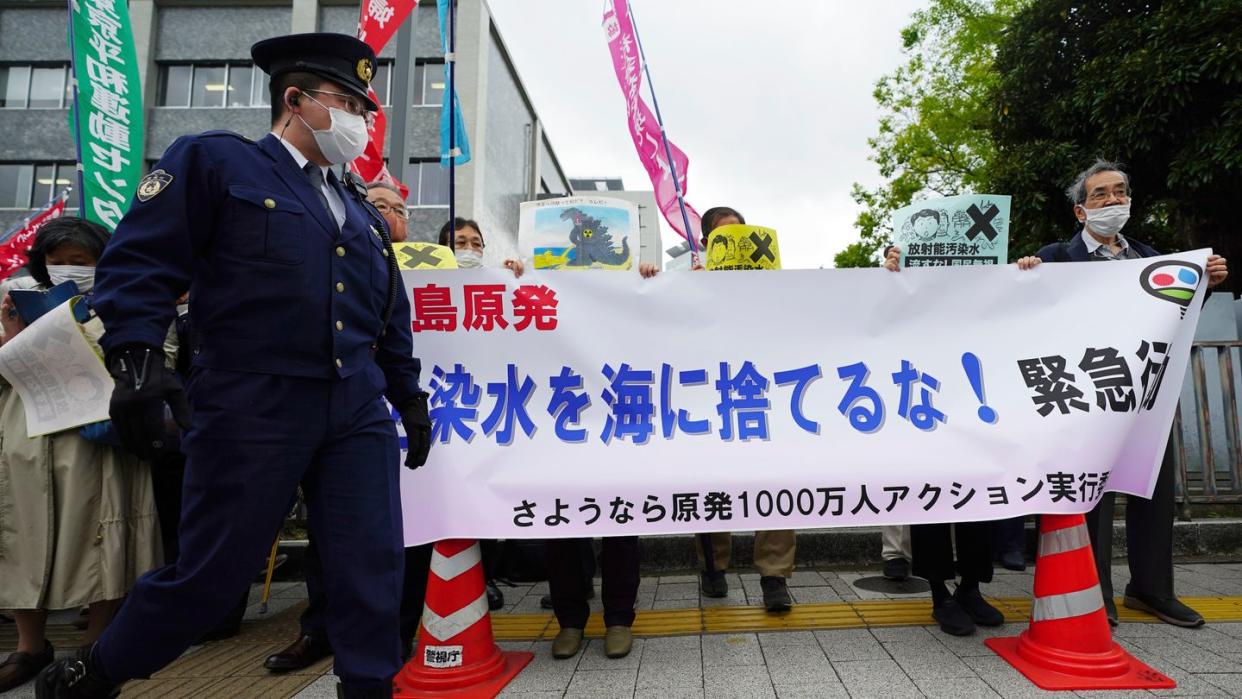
(579,233)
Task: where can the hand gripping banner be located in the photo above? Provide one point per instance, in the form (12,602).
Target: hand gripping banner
(583,404)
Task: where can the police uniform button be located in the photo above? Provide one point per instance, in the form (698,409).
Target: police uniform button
(339,364)
(340,286)
(340,252)
(384,252)
(340,325)
(269,203)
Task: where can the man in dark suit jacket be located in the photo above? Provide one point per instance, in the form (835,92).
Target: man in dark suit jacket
(1101,199)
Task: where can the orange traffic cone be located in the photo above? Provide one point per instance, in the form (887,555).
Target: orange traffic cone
(457,655)
(1068,644)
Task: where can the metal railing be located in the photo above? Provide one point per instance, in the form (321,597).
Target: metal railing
(1206,442)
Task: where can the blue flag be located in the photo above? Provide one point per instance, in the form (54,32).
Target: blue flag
(462,141)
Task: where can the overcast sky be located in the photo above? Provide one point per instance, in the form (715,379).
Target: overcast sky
(771,100)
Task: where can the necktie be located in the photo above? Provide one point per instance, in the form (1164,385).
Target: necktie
(315,176)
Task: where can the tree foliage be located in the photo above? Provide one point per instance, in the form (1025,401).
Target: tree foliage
(934,136)
(857,254)
(1155,85)
(1017,96)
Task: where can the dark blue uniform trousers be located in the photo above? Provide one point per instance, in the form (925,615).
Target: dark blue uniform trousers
(254,438)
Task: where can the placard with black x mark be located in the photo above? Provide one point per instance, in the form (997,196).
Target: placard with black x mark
(982,222)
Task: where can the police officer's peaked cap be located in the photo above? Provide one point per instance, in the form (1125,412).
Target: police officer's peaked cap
(337,57)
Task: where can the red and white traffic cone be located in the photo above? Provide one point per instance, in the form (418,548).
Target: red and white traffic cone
(1068,644)
(457,655)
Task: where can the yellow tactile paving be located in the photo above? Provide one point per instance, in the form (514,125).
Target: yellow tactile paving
(822,615)
(235,667)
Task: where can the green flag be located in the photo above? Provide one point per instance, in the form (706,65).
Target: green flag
(106,117)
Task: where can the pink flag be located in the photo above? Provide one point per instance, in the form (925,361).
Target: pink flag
(644,128)
(13,251)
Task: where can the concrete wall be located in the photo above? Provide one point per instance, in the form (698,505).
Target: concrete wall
(33,34)
(205,33)
(506,158)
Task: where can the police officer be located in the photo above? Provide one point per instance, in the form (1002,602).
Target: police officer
(299,330)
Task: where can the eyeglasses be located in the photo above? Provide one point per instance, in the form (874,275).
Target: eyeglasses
(353,105)
(1121,192)
(386,209)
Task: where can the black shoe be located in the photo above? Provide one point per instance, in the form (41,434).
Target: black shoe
(302,653)
(971,601)
(775,594)
(713,584)
(20,668)
(495,598)
(74,678)
(1170,610)
(1013,560)
(896,569)
(953,620)
(1110,611)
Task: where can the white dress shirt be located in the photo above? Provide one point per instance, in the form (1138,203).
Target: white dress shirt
(334,200)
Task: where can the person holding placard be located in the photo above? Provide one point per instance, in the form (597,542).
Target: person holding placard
(79,513)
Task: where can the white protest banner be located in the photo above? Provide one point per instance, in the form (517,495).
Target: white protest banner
(62,381)
(606,405)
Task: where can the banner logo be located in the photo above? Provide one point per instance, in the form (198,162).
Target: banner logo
(1174,281)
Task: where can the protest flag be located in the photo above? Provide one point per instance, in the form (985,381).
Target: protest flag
(666,164)
(106,114)
(377,23)
(14,249)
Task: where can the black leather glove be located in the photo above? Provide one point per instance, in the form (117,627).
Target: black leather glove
(143,387)
(417,423)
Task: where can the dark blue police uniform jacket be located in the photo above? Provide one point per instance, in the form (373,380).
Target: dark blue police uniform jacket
(289,365)
(276,289)
(1075,250)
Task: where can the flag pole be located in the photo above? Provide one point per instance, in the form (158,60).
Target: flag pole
(451,59)
(668,150)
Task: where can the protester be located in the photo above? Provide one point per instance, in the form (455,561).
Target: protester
(386,199)
(942,552)
(288,373)
(79,516)
(895,551)
(466,241)
(773,550)
(570,565)
(1010,543)
(1100,197)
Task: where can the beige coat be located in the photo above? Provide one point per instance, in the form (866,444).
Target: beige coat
(77,519)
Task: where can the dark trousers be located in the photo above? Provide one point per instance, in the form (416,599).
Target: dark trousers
(931,545)
(413,588)
(1010,535)
(1149,537)
(619,565)
(254,438)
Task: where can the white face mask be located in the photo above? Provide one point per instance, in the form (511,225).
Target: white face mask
(84,277)
(1108,220)
(345,139)
(469,259)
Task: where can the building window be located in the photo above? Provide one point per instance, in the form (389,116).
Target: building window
(430,185)
(33,87)
(212,85)
(382,83)
(28,186)
(429,83)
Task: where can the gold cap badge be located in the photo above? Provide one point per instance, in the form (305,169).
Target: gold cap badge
(365,70)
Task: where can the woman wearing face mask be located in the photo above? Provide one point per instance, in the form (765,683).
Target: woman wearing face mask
(80,519)
(467,243)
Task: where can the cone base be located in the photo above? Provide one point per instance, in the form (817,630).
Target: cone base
(513,663)
(1139,675)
